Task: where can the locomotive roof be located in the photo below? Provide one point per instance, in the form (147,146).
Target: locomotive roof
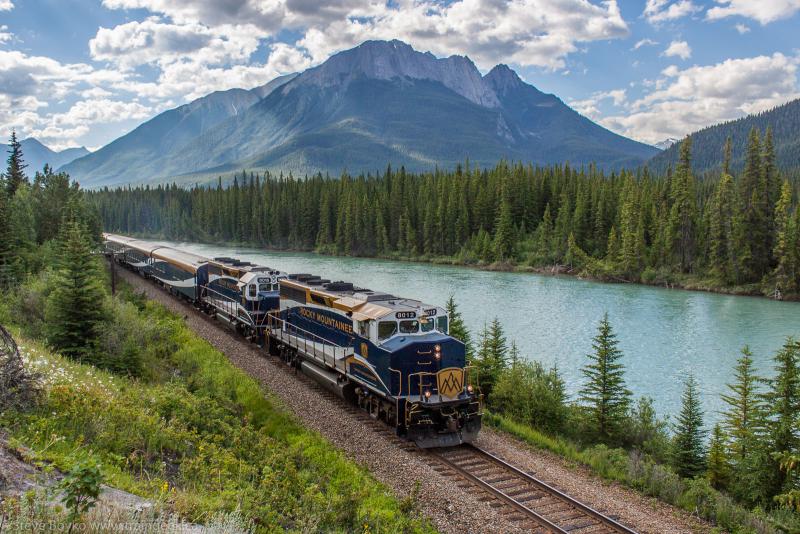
(364,303)
(190,260)
(182,258)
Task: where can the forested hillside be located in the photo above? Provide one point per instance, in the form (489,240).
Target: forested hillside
(709,143)
(725,231)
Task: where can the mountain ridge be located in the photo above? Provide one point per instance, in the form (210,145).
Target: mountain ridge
(379,103)
(36,154)
(708,143)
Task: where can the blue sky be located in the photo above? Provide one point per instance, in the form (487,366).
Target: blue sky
(78,72)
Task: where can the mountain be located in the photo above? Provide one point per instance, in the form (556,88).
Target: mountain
(666,143)
(379,103)
(35,155)
(708,144)
(139,154)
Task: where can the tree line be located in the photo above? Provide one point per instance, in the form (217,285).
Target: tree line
(733,229)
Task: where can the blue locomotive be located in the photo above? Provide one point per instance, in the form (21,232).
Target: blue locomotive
(238,293)
(391,356)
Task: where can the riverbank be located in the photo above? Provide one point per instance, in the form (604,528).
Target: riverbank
(685,282)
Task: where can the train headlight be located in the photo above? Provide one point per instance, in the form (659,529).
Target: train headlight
(437,352)
(470,389)
(427,394)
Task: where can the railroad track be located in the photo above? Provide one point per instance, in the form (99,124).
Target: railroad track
(531,503)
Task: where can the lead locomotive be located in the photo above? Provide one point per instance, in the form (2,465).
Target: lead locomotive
(392,356)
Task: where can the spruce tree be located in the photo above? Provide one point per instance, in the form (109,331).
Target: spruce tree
(458,329)
(15,174)
(726,158)
(783,252)
(604,394)
(745,409)
(74,310)
(491,358)
(504,239)
(688,451)
(718,468)
(721,249)
(682,217)
(782,402)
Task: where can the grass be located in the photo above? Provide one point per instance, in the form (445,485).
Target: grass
(201,438)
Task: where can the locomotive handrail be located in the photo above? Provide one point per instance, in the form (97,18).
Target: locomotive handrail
(231,307)
(302,338)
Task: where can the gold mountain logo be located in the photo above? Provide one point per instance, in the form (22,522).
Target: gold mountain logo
(450,381)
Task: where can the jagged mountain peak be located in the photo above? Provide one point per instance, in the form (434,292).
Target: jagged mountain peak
(502,78)
(387,60)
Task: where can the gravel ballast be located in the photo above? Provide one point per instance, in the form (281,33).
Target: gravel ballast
(454,506)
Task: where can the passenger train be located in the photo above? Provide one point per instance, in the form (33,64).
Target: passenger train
(391,356)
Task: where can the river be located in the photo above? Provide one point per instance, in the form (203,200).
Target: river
(664,334)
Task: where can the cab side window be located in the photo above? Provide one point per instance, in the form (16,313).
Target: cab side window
(386,329)
(363,328)
(252,290)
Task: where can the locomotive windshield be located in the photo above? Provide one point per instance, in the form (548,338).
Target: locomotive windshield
(409,327)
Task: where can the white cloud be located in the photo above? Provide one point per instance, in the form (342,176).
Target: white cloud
(763,11)
(679,49)
(5,35)
(589,106)
(657,11)
(529,32)
(683,101)
(6,5)
(151,41)
(644,42)
(742,29)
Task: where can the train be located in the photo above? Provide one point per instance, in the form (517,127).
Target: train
(391,356)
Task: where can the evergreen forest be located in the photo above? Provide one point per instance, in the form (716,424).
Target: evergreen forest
(731,231)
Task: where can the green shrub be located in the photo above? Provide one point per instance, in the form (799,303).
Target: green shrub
(528,393)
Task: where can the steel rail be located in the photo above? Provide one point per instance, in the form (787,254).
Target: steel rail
(538,518)
(540,485)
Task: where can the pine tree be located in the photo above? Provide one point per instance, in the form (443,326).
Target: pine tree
(458,329)
(497,345)
(74,310)
(682,217)
(604,393)
(752,224)
(783,240)
(491,358)
(782,402)
(744,408)
(721,249)
(15,174)
(726,161)
(504,239)
(718,468)
(688,454)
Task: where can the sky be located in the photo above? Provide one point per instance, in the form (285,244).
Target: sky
(81,72)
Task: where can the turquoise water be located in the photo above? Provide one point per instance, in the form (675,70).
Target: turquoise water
(664,334)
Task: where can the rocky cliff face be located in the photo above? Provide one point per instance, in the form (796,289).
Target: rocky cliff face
(388,60)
